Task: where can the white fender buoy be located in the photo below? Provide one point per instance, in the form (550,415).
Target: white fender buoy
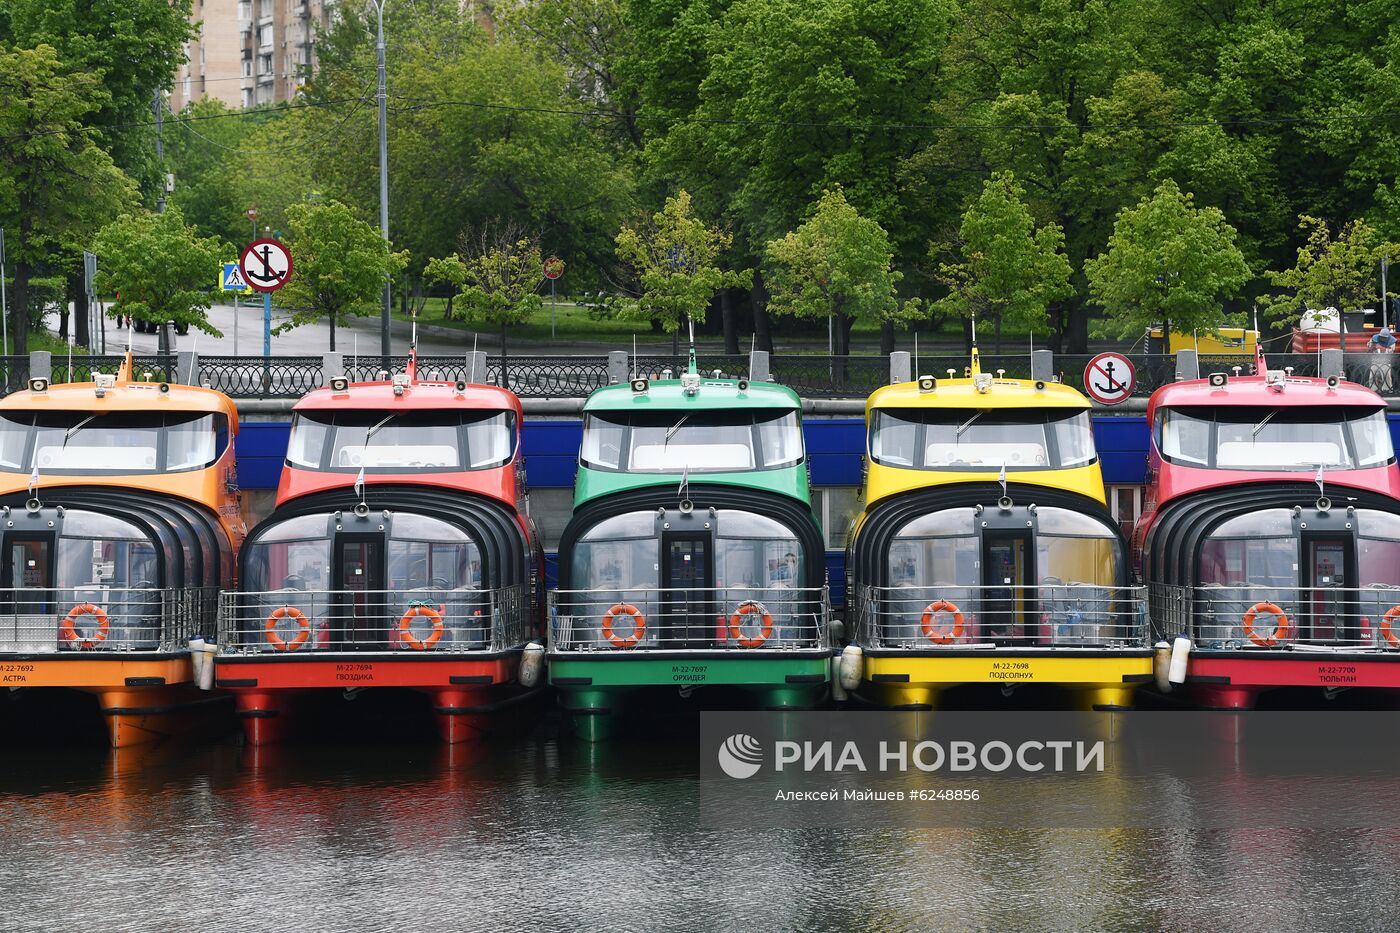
(197,659)
(206,676)
(1181,650)
(1161,665)
(531,664)
(852,666)
(838,692)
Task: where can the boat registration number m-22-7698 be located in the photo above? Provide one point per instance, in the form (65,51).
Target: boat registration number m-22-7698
(689,673)
(1011,670)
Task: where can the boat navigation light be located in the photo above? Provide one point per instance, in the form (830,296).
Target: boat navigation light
(639,386)
(1217,380)
(400,383)
(1040,385)
(102,382)
(982,382)
(38,384)
(461,385)
(690,383)
(743,385)
(927,384)
(1333,382)
(340,384)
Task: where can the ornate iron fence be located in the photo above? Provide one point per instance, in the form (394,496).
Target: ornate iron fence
(811,376)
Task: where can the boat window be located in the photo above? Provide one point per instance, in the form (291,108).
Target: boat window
(1258,549)
(1072,549)
(674,441)
(1275,438)
(981,439)
(619,553)
(398,442)
(756,551)
(427,553)
(292,555)
(940,548)
(66,442)
(1378,548)
(100,550)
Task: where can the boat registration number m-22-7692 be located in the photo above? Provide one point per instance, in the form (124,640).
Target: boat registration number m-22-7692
(15,673)
(689,673)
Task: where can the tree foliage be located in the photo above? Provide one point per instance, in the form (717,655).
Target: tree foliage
(1332,272)
(340,264)
(159,268)
(497,274)
(836,264)
(1167,261)
(1004,268)
(675,257)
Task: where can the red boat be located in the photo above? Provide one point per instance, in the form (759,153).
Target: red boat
(1270,535)
(400,554)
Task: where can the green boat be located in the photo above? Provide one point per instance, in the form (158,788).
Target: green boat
(693,563)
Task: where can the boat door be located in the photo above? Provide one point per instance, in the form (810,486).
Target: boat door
(686,581)
(1329,574)
(1007,578)
(29,567)
(359,576)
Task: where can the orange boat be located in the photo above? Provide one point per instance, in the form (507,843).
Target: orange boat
(121,523)
(400,554)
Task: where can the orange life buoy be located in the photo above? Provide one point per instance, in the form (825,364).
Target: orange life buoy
(1282,630)
(1386,632)
(297,616)
(941,636)
(69,626)
(736,621)
(406,627)
(639,625)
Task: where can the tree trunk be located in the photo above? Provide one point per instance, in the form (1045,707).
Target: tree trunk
(1076,338)
(332,348)
(886,337)
(505,370)
(81,330)
(19,316)
(730,318)
(841,340)
(762,326)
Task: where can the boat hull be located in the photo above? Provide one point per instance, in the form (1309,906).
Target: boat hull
(1234,680)
(1098,679)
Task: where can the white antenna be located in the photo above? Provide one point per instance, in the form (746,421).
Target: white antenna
(753,348)
(70,355)
(916,354)
(356,364)
(471,377)
(189,370)
(130,329)
(633,361)
(974,330)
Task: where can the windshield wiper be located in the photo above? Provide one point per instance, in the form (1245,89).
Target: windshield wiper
(968,423)
(76,428)
(1260,426)
(670,432)
(374,430)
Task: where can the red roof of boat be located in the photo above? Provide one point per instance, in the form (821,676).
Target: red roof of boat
(420,395)
(1255,391)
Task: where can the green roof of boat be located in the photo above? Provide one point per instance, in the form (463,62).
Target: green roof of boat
(713,395)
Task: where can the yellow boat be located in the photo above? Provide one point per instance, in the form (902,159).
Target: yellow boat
(121,522)
(985,553)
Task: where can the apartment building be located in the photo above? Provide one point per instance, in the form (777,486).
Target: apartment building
(251,52)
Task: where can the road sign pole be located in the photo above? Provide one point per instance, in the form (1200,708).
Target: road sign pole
(235,323)
(4,307)
(553,304)
(267,326)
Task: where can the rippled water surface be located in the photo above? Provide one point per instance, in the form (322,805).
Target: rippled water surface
(539,832)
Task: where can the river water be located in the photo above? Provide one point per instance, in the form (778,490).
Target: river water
(540,832)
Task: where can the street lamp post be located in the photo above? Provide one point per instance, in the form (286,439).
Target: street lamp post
(383,98)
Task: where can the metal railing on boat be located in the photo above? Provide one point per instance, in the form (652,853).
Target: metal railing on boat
(428,619)
(99,619)
(1050,615)
(1318,618)
(640,619)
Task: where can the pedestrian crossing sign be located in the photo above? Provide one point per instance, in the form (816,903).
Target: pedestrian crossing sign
(232,279)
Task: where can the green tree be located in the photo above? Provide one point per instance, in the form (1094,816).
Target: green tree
(1331,272)
(1005,268)
(159,268)
(340,263)
(836,264)
(1167,262)
(675,257)
(497,274)
(57,187)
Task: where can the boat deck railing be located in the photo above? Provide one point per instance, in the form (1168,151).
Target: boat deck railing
(426,620)
(1320,618)
(100,620)
(1050,616)
(641,619)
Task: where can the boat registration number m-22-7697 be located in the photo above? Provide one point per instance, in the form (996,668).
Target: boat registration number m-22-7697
(689,673)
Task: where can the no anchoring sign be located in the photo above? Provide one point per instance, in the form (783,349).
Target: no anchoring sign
(266,265)
(1109,378)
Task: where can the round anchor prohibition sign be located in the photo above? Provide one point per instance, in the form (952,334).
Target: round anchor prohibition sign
(266,265)
(1109,378)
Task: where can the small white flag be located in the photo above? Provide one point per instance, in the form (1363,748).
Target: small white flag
(34,479)
(360,484)
(1001,477)
(1318,479)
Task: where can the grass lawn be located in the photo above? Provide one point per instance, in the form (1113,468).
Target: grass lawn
(571,323)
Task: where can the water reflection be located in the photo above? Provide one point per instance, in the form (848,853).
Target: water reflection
(543,833)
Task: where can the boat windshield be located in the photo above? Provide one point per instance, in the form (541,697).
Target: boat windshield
(981,439)
(1277,439)
(398,442)
(698,442)
(68,442)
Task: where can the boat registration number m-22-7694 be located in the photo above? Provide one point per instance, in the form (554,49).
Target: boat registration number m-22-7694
(689,673)
(358,672)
